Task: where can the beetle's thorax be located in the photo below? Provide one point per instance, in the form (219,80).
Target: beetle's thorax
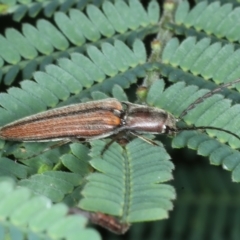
(146,119)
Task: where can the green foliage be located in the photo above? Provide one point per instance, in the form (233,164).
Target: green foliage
(201,58)
(136,192)
(25,216)
(223,23)
(215,111)
(91,50)
(204,208)
(20,8)
(37,46)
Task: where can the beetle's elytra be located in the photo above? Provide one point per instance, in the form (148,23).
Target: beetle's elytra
(88,121)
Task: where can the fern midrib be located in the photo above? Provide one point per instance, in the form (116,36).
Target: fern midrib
(128,188)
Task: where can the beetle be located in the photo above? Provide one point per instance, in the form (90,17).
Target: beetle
(99,119)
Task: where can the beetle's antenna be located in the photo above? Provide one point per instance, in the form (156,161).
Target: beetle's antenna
(201,99)
(204,128)
(207,95)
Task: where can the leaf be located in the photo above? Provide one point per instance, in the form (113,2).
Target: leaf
(38,216)
(54,185)
(214,111)
(74,27)
(223,24)
(12,169)
(129,182)
(210,61)
(196,47)
(59,82)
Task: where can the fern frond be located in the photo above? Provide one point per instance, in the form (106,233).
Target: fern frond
(93,61)
(218,153)
(22,49)
(214,111)
(129,182)
(183,62)
(53,184)
(26,216)
(223,24)
(206,198)
(20,9)
(38,175)
(210,60)
(122,66)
